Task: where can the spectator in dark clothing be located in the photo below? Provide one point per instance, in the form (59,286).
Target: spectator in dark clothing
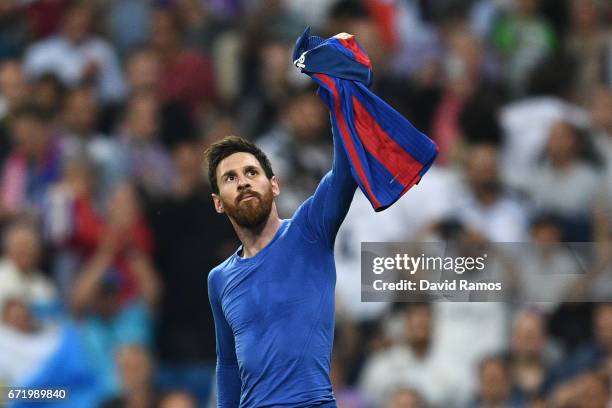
(496,387)
(595,356)
(531,353)
(191,239)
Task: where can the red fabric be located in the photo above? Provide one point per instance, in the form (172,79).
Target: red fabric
(380,145)
(45,16)
(87,226)
(445,129)
(383,13)
(139,238)
(89,230)
(189,79)
(352,45)
(346,136)
(14,177)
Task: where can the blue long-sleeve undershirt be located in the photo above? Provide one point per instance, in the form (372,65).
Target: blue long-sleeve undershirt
(274,312)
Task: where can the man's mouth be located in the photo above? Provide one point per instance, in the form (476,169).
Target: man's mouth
(247,197)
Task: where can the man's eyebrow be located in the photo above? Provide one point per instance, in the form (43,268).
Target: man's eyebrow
(245,168)
(228,173)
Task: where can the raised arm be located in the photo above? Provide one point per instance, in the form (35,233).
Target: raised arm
(89,280)
(228,376)
(323,213)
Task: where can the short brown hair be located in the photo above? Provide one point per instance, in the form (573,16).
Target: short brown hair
(228,146)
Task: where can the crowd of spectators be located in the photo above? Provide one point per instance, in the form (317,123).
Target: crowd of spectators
(106,107)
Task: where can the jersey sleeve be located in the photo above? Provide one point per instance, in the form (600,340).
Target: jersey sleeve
(322,214)
(228,375)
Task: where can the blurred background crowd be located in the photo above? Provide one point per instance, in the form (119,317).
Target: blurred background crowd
(109,231)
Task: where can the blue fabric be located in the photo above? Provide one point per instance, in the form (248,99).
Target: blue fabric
(102,337)
(387,154)
(66,368)
(274,312)
(196,378)
(589,357)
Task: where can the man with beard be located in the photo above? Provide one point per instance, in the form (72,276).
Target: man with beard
(273,299)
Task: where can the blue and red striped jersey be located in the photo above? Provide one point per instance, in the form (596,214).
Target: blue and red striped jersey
(388,155)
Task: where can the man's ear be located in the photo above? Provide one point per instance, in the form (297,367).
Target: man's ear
(275,186)
(218,203)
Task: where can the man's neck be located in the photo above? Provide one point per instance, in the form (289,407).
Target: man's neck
(420,348)
(254,240)
(23,273)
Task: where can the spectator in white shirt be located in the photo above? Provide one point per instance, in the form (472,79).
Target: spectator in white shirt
(19,274)
(547,269)
(76,56)
(415,363)
(485,206)
(565,183)
(526,124)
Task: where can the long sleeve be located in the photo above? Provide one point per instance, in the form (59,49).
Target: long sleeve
(228,375)
(324,211)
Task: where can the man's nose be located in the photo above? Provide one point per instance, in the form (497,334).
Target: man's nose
(243,183)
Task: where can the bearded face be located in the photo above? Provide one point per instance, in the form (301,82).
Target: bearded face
(246,194)
(249,209)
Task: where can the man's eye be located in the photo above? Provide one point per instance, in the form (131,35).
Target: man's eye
(230,178)
(252,172)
